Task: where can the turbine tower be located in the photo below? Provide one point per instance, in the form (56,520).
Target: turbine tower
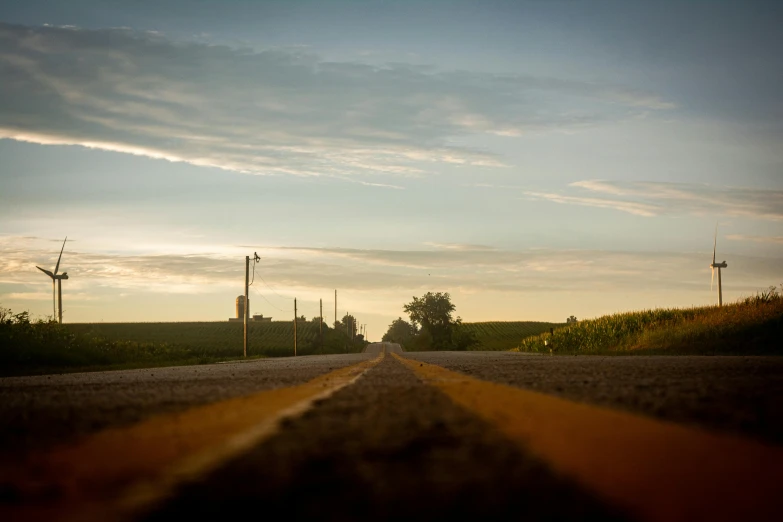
(715,265)
(58,279)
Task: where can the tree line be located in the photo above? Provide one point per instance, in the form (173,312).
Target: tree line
(431,326)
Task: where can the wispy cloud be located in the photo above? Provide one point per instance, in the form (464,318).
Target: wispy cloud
(380,279)
(275,111)
(461,247)
(758,239)
(656,198)
(44,296)
(631,207)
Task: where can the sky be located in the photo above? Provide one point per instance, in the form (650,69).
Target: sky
(535,159)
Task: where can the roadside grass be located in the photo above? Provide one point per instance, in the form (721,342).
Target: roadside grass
(505,335)
(39,347)
(752,326)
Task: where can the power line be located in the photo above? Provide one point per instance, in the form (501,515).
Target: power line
(268,301)
(273,290)
(256,259)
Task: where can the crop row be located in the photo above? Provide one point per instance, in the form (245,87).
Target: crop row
(275,338)
(747,326)
(504,335)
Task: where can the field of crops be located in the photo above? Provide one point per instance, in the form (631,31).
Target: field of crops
(752,326)
(275,339)
(214,339)
(504,335)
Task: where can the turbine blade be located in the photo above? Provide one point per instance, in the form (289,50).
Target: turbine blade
(61,255)
(715,243)
(45,271)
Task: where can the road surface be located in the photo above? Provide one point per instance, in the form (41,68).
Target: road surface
(391,435)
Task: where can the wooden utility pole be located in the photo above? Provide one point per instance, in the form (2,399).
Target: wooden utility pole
(321,322)
(294,327)
(335,308)
(247,302)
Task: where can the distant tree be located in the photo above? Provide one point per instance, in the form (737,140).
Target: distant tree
(571,319)
(432,312)
(462,338)
(347,325)
(401,332)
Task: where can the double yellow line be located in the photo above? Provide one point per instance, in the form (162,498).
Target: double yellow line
(116,473)
(656,471)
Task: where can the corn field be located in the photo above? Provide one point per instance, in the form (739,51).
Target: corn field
(754,324)
(504,335)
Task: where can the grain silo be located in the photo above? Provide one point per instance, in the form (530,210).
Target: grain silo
(240,307)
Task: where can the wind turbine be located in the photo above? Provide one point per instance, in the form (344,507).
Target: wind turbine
(58,278)
(715,265)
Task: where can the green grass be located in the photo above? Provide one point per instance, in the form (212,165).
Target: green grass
(753,326)
(46,347)
(505,335)
(221,339)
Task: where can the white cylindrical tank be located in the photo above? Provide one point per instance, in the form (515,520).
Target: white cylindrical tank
(240,306)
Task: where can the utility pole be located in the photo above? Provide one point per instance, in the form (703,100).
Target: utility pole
(321,322)
(247,302)
(335,308)
(294,327)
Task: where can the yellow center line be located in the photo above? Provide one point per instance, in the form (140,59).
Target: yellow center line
(655,470)
(116,473)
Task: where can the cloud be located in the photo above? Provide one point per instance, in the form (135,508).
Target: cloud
(631,207)
(462,247)
(379,280)
(275,111)
(758,239)
(30,296)
(44,296)
(657,198)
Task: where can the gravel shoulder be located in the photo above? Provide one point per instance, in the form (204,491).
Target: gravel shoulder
(742,395)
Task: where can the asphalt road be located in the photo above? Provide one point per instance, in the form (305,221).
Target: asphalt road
(383,444)
(742,395)
(43,410)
